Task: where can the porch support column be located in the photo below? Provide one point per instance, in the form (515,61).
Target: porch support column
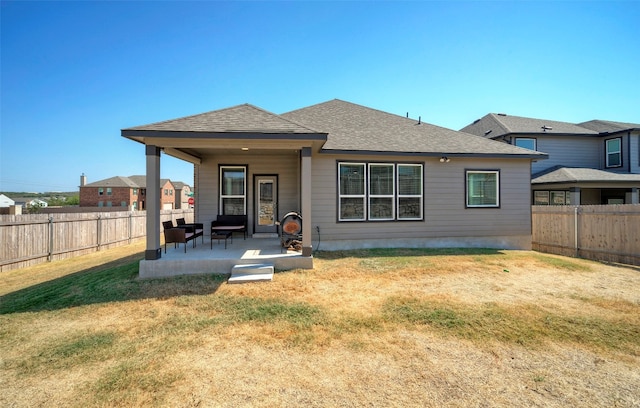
(305,191)
(153,250)
(635,193)
(574,195)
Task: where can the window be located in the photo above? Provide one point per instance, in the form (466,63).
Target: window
(108,190)
(541,198)
(166,192)
(410,191)
(109,204)
(123,203)
(483,188)
(233,190)
(557,198)
(379,191)
(135,191)
(135,205)
(352,191)
(100,204)
(170,192)
(526,142)
(100,191)
(614,152)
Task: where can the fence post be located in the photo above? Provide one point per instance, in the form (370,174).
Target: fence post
(130,226)
(575,231)
(98,232)
(50,257)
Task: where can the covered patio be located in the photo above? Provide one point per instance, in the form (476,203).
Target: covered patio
(213,258)
(247,161)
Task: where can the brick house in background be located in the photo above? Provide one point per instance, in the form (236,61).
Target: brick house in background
(129,192)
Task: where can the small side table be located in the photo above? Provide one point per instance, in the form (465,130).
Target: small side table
(221,235)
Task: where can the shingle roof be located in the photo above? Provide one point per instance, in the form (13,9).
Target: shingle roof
(120,181)
(117,181)
(602,126)
(237,119)
(575,175)
(498,124)
(353,127)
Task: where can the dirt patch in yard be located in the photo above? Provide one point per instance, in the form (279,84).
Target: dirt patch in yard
(369,328)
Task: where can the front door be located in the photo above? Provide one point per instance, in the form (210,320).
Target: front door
(266,188)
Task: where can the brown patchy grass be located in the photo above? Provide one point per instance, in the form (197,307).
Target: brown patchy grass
(364,328)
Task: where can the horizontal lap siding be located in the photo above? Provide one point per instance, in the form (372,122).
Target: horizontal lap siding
(444,210)
(286,166)
(569,151)
(634,153)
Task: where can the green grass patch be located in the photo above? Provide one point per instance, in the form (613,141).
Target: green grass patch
(523,325)
(141,380)
(108,284)
(236,309)
(73,350)
(403,252)
(82,288)
(567,264)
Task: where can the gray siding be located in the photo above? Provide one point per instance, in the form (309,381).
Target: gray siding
(570,151)
(446,220)
(634,153)
(444,207)
(286,166)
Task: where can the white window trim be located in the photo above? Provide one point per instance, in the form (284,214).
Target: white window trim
(497,173)
(360,196)
(244,188)
(420,196)
(535,142)
(388,196)
(366,197)
(608,153)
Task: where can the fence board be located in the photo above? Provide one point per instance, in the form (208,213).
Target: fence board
(29,239)
(604,232)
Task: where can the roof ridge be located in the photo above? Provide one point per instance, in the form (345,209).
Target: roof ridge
(192,116)
(282,118)
(499,122)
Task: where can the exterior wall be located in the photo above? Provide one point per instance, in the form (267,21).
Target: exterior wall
(569,151)
(634,152)
(285,165)
(89,196)
(624,138)
(182,197)
(446,223)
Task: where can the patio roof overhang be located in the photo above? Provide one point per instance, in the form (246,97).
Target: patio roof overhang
(193,146)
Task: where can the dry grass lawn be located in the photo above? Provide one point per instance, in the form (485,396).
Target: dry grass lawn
(401,328)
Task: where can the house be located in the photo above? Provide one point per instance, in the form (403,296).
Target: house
(6,201)
(36,202)
(360,177)
(182,195)
(595,162)
(129,192)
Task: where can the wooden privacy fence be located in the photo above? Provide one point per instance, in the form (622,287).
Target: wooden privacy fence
(600,232)
(30,239)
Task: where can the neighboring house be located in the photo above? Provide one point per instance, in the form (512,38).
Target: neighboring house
(127,192)
(182,194)
(6,201)
(37,203)
(595,162)
(360,177)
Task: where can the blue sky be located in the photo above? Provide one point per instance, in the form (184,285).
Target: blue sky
(74,73)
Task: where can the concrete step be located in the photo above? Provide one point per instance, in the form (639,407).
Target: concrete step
(251,273)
